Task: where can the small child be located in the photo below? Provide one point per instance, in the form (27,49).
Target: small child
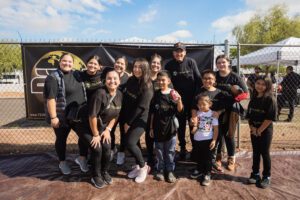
(260,114)
(163,126)
(205,136)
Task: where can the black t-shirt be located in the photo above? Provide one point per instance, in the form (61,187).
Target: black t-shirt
(74,93)
(103,106)
(260,109)
(164,110)
(135,103)
(185,77)
(91,82)
(123,82)
(220,99)
(225,83)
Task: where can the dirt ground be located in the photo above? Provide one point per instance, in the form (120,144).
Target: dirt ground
(36,176)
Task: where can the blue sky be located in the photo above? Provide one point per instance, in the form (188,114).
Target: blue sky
(130,20)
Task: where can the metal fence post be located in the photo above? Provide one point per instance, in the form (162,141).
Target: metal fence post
(226,50)
(238,71)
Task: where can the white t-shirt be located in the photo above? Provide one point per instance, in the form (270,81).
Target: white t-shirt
(205,126)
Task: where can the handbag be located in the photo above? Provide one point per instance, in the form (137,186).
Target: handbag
(73,115)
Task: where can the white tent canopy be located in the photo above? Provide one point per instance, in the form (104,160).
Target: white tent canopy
(282,52)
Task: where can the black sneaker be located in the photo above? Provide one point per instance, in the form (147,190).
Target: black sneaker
(107,178)
(254,179)
(98,182)
(206,180)
(265,182)
(196,174)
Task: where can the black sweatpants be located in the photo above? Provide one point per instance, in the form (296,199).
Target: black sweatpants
(61,134)
(261,147)
(132,137)
(100,154)
(203,156)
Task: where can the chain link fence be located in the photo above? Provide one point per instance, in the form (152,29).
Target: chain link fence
(21,135)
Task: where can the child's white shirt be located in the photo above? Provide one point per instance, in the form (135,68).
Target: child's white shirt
(206,121)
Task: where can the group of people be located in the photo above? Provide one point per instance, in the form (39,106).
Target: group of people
(158,101)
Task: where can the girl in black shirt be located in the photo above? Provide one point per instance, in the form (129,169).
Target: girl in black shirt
(104,108)
(232,83)
(134,114)
(92,76)
(261,112)
(155,68)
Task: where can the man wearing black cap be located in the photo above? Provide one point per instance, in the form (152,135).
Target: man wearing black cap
(185,77)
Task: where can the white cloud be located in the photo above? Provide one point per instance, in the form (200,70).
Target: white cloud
(95,32)
(227,23)
(182,23)
(148,16)
(116,2)
(174,36)
(52,16)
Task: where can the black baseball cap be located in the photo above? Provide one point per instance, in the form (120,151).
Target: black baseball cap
(180,46)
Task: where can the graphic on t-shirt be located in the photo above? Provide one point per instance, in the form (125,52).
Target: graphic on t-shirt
(205,124)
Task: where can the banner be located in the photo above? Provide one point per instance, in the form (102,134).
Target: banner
(39,60)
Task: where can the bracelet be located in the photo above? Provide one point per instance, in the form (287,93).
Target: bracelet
(95,135)
(109,129)
(53,117)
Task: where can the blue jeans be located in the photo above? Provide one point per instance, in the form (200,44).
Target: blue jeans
(165,152)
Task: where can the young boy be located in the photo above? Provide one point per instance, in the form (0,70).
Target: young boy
(205,136)
(163,126)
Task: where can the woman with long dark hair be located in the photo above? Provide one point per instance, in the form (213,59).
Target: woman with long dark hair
(261,113)
(134,114)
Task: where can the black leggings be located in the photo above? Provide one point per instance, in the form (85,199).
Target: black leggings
(261,147)
(203,156)
(122,137)
(100,154)
(133,135)
(61,142)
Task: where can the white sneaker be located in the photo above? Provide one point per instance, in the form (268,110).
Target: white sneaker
(134,172)
(120,158)
(142,174)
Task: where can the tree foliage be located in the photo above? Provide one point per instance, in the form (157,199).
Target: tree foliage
(270,28)
(10,57)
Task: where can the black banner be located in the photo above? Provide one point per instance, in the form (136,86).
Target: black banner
(40,59)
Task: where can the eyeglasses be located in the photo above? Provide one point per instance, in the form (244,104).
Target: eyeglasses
(208,78)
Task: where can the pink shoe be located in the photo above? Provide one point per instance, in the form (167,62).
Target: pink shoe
(134,172)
